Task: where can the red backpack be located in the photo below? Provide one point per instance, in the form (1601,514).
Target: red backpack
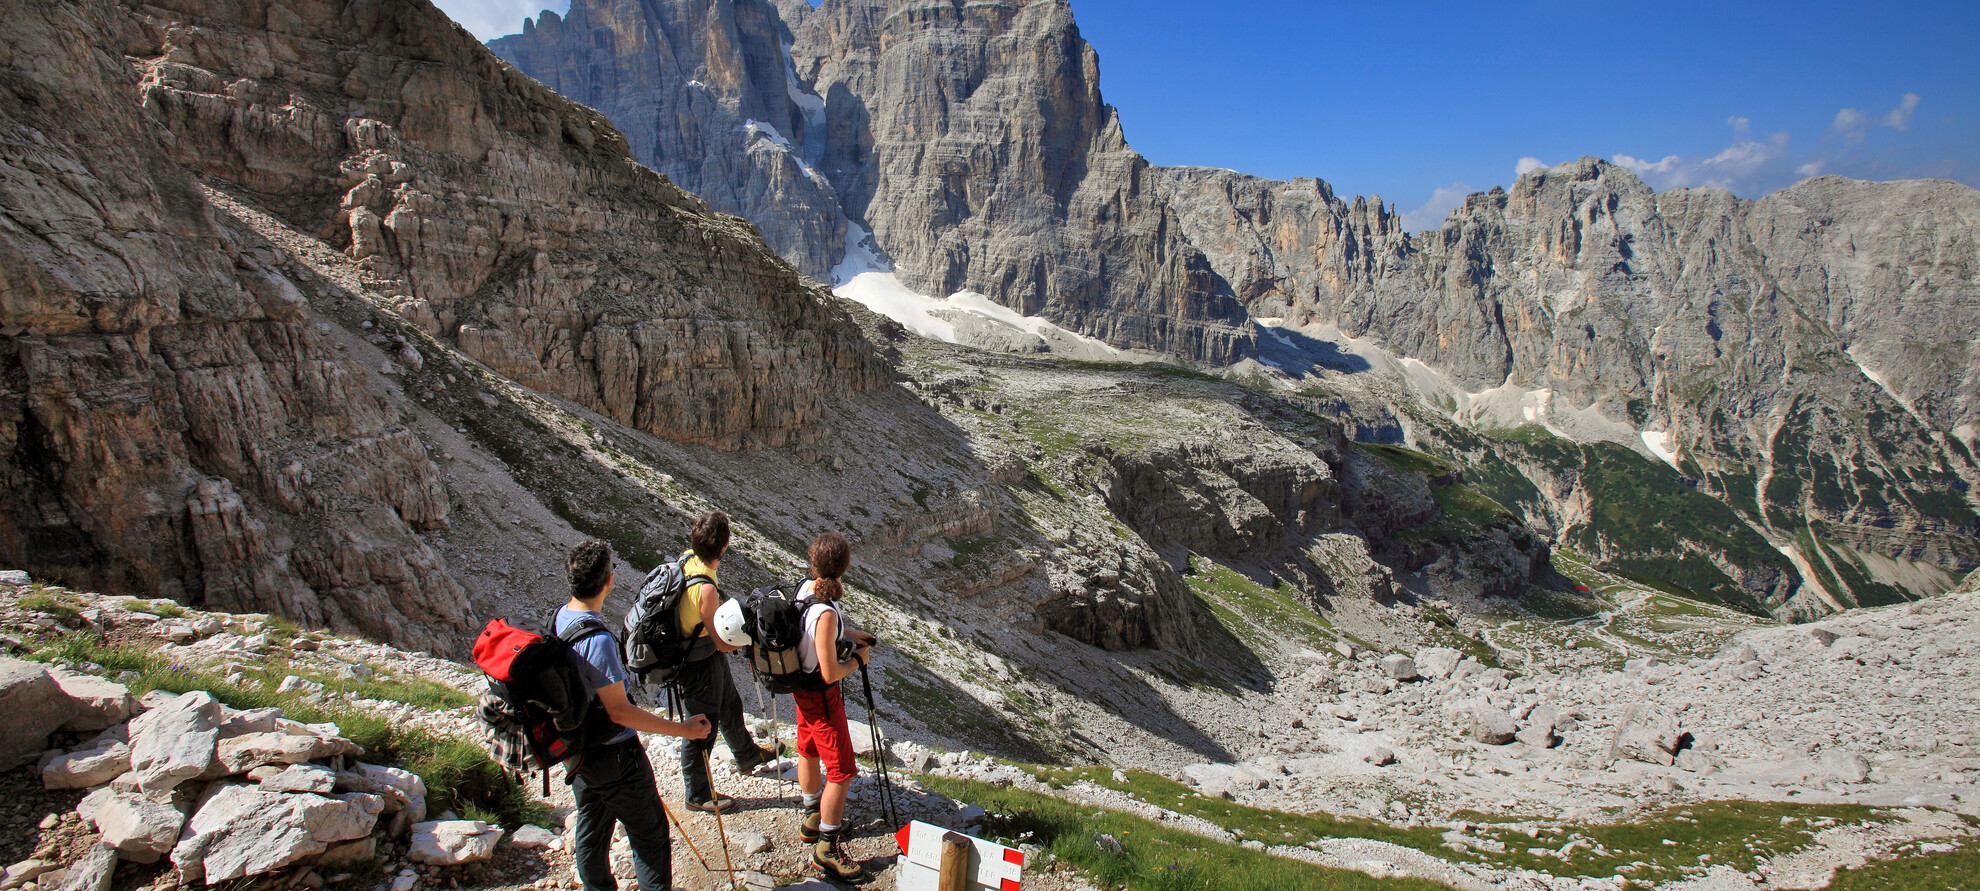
(539,709)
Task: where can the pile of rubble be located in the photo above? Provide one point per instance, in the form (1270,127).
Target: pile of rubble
(222,793)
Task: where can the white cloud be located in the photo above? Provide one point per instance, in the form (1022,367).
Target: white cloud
(1812,168)
(1441,203)
(489,19)
(1528,164)
(1899,118)
(1747,166)
(1853,124)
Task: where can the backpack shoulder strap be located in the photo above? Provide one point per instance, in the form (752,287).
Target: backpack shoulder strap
(580,629)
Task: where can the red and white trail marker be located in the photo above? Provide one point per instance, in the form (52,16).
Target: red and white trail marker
(991,865)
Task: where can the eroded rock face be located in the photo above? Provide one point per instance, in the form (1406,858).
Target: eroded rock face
(503,218)
(970,139)
(178,420)
(1790,347)
(174,426)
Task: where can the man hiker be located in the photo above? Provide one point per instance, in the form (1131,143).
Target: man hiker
(613,781)
(705,683)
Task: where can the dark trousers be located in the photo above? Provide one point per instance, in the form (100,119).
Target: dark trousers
(707,689)
(614,784)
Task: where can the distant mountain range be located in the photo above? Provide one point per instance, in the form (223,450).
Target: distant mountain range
(1810,361)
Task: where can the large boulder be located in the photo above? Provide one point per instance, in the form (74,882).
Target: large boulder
(1492,726)
(99,702)
(244,831)
(1649,736)
(453,842)
(174,742)
(1845,766)
(35,706)
(403,791)
(300,778)
(1400,667)
(1437,663)
(84,768)
(139,828)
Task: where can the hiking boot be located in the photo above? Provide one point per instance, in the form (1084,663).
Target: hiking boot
(831,857)
(808,829)
(763,756)
(708,807)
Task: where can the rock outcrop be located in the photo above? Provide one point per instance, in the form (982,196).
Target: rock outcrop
(1803,356)
(969,139)
(180,421)
(174,423)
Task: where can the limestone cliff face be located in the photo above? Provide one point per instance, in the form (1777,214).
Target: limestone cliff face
(704,93)
(179,420)
(1810,353)
(501,217)
(969,138)
(174,424)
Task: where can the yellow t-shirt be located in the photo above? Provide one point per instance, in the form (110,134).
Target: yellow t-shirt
(690,606)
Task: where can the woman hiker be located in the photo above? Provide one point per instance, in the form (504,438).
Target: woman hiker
(705,683)
(834,650)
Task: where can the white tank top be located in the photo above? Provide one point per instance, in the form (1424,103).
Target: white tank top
(808,643)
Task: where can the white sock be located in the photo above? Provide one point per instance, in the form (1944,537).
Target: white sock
(811,798)
(828,827)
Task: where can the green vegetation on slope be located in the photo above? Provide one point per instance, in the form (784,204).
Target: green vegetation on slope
(1732,833)
(1152,857)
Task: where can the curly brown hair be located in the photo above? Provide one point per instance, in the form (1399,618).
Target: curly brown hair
(710,535)
(830,556)
(589,567)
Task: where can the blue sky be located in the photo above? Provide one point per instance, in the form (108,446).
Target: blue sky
(1422,103)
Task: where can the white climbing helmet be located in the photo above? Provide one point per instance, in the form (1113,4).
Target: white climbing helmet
(729,624)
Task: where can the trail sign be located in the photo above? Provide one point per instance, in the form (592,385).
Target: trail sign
(990,865)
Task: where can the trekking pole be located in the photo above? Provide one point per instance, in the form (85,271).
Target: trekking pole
(685,836)
(893,812)
(715,799)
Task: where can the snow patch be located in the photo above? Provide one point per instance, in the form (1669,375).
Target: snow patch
(866,275)
(811,106)
(1662,445)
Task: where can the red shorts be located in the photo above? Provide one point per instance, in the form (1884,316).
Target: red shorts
(822,733)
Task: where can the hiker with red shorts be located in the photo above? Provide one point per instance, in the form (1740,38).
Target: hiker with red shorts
(825,748)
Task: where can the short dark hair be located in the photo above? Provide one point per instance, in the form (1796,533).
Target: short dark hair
(710,535)
(589,566)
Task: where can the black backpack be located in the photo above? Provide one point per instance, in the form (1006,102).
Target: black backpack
(774,617)
(653,645)
(539,709)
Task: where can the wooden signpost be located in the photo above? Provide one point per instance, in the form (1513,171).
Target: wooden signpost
(938,859)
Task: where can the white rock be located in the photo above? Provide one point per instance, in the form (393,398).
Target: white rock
(1381,756)
(752,842)
(99,702)
(139,828)
(1437,663)
(86,768)
(92,871)
(34,705)
(1399,667)
(453,842)
(528,836)
(1651,737)
(258,720)
(1846,766)
(174,742)
(242,830)
(250,750)
(1492,726)
(24,872)
(301,778)
(406,782)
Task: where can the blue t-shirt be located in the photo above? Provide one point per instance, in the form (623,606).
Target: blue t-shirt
(601,657)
